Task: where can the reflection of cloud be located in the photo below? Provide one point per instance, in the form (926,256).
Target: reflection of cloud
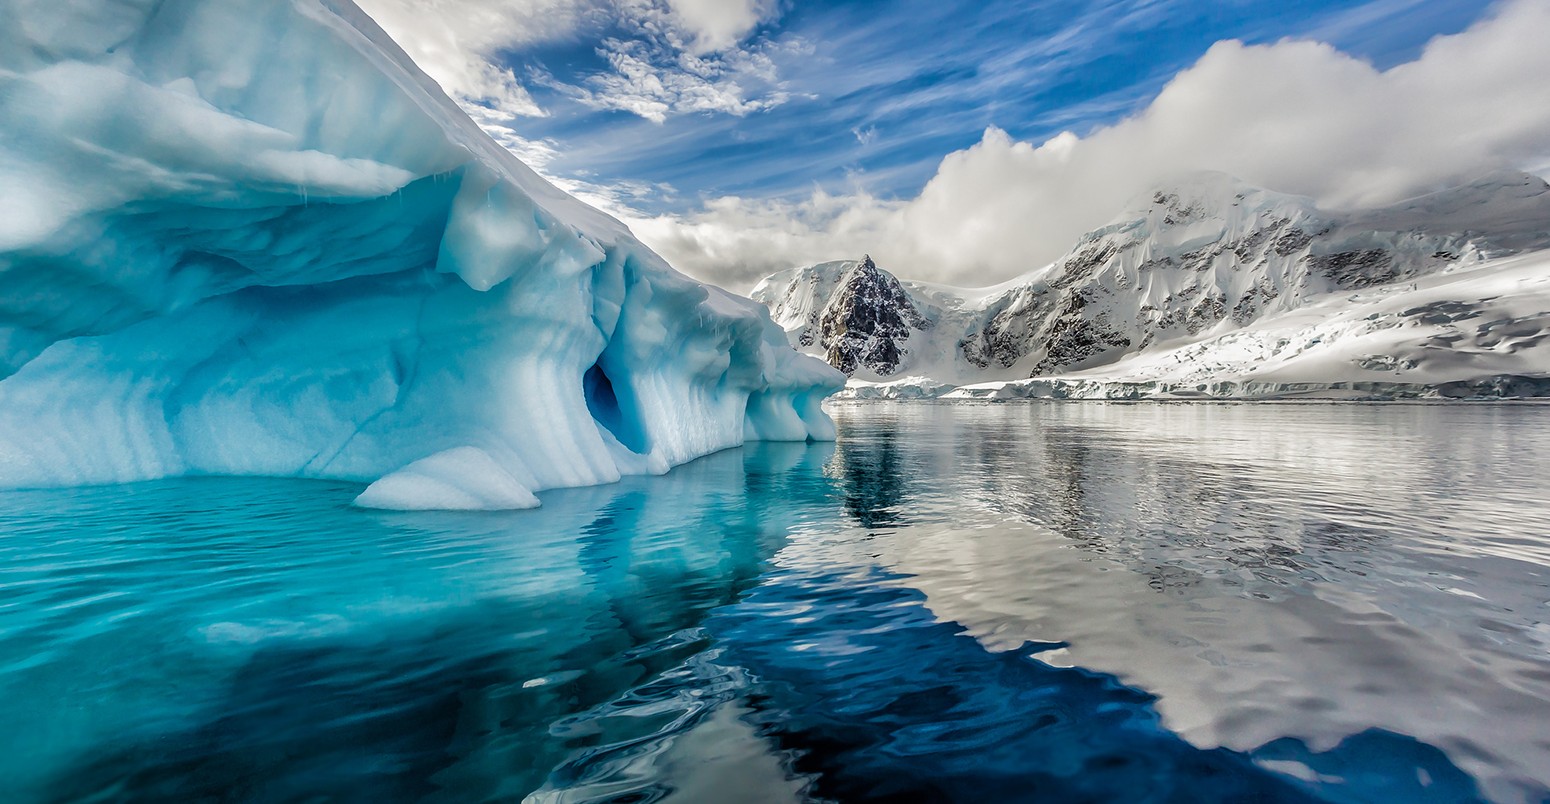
(1267,570)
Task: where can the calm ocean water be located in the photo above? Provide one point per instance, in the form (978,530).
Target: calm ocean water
(1051,602)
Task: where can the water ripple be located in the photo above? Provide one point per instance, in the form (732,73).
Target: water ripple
(957,603)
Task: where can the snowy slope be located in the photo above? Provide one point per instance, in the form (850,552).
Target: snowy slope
(251,237)
(856,316)
(1477,332)
(1170,289)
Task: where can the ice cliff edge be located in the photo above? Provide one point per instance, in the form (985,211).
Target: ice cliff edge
(251,237)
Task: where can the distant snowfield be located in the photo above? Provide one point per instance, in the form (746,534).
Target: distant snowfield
(1483,331)
(1210,289)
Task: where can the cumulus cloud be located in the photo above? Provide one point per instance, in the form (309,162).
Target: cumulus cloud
(719,24)
(1296,116)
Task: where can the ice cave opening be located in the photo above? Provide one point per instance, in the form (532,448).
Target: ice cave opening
(247,237)
(603,404)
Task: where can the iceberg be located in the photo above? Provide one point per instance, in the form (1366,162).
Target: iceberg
(251,237)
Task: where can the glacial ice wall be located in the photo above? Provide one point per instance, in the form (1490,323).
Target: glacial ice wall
(251,237)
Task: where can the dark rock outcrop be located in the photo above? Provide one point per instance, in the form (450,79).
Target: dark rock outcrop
(867,321)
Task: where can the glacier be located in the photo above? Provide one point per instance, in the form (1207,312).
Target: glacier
(251,237)
(1212,288)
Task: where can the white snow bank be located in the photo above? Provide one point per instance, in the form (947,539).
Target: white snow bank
(916,387)
(250,237)
(1202,256)
(1481,332)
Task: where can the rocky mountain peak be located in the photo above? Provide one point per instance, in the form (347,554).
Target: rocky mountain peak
(1196,258)
(868,320)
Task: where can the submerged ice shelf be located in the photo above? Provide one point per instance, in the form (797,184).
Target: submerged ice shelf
(247,237)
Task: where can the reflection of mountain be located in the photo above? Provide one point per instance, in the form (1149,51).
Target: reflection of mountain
(798,614)
(1144,503)
(881,701)
(871,479)
(1266,570)
(867,696)
(1149,500)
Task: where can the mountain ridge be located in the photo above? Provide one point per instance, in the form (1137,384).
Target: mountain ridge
(1191,262)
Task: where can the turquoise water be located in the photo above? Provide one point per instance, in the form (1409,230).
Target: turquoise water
(953,603)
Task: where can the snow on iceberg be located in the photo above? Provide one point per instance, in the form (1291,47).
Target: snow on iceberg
(251,237)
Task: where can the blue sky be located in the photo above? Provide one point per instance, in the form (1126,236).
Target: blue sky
(873,93)
(968,142)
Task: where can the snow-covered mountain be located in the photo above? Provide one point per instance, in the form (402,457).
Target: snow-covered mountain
(252,237)
(1165,292)
(854,315)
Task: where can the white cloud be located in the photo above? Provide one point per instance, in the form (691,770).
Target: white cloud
(719,24)
(456,41)
(1299,117)
(683,57)
(536,154)
(654,81)
(680,55)
(669,66)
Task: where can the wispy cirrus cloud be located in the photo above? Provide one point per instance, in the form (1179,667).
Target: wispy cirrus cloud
(664,56)
(1295,116)
(739,137)
(456,41)
(655,78)
(661,58)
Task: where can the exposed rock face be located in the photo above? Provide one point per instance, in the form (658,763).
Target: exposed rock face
(868,321)
(1206,255)
(1012,326)
(854,314)
(1201,258)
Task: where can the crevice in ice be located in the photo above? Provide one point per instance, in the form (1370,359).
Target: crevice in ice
(603,404)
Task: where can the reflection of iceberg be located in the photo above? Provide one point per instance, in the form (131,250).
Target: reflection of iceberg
(630,639)
(376,653)
(246,237)
(845,673)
